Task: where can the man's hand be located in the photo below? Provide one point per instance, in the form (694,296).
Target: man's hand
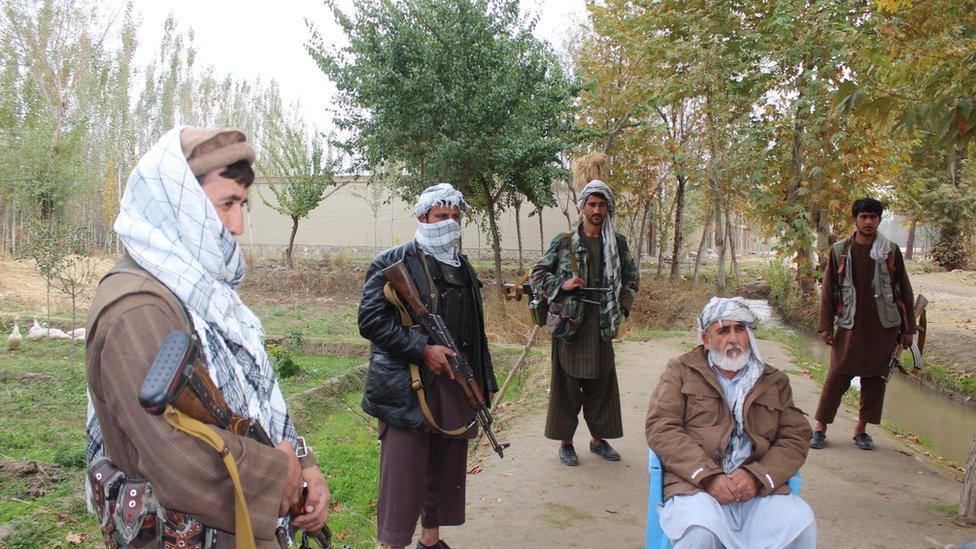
(435,357)
(721,488)
(572,284)
(906,340)
(828,337)
(293,479)
(744,483)
(316,503)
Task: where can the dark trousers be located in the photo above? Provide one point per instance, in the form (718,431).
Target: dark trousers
(872,397)
(421,475)
(599,399)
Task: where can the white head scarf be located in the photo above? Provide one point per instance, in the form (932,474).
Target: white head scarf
(610,301)
(734,309)
(170,228)
(440,239)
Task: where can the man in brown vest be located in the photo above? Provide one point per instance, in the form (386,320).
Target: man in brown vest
(867,295)
(150,483)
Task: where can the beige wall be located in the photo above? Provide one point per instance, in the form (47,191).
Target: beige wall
(346,219)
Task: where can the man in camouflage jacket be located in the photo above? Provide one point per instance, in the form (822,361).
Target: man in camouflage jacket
(586,305)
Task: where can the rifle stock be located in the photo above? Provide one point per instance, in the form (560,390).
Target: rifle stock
(178,378)
(399,277)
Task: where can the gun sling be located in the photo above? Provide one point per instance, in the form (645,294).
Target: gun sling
(415,382)
(244,533)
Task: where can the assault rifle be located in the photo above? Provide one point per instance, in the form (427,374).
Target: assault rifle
(178,378)
(894,361)
(399,278)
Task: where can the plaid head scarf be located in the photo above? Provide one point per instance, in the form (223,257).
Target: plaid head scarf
(169,227)
(440,239)
(610,301)
(734,309)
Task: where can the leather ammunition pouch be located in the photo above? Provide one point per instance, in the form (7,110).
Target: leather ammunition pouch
(130,516)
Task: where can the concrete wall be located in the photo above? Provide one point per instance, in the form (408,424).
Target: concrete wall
(347,220)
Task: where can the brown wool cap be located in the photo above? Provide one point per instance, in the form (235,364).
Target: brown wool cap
(207,149)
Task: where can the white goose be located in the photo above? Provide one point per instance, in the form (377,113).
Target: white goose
(14,339)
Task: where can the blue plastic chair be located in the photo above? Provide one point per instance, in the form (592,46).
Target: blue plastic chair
(656,539)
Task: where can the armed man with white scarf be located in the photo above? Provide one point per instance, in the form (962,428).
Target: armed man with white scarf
(729,438)
(866,294)
(150,482)
(423,424)
(590,280)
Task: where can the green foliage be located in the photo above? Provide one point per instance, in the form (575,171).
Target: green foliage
(450,90)
(785,297)
(283,362)
(300,166)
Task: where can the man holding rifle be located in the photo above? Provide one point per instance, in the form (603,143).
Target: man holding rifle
(425,418)
(150,483)
(591,273)
(867,295)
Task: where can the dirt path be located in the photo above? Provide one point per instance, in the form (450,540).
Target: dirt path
(887,498)
(952,322)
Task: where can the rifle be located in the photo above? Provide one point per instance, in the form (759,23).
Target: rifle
(399,278)
(894,361)
(178,378)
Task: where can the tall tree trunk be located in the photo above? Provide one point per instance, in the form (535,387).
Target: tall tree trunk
(910,245)
(804,270)
(731,235)
(291,243)
(542,235)
(642,234)
(967,501)
(679,200)
(652,236)
(496,240)
(701,244)
(518,234)
(720,275)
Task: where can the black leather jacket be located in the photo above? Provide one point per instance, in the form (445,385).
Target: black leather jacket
(388,395)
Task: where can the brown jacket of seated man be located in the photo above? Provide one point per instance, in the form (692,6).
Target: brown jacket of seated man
(689,425)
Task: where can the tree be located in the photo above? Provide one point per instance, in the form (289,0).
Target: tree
(300,167)
(451,90)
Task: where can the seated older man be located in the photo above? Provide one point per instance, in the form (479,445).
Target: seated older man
(729,437)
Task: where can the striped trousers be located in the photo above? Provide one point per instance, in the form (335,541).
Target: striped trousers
(598,398)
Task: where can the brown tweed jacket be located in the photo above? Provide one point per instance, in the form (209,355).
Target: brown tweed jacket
(186,475)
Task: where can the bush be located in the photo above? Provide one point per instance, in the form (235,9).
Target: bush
(284,363)
(785,297)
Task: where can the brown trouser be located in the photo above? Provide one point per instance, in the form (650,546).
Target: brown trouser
(598,398)
(836,384)
(421,475)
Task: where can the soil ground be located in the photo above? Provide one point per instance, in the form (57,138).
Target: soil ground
(951,316)
(886,498)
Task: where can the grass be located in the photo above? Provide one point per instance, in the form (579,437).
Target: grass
(947,379)
(42,418)
(314,321)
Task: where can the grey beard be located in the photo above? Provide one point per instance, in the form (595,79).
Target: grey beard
(722,360)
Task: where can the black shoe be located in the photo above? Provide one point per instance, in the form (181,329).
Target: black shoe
(818,440)
(567,455)
(864,441)
(604,450)
(439,545)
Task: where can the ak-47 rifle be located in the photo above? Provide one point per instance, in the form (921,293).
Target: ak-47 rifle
(399,278)
(179,379)
(894,361)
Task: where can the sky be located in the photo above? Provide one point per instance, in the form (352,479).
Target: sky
(258,38)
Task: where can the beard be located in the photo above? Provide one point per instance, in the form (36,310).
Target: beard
(722,360)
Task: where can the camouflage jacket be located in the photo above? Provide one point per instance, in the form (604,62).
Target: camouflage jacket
(553,268)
